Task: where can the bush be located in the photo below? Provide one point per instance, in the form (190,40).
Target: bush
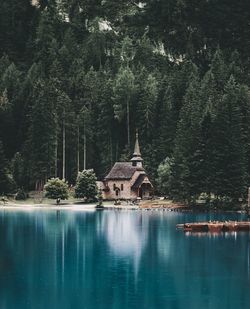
(100,198)
(20,195)
(86,185)
(56,188)
(7,184)
(164,175)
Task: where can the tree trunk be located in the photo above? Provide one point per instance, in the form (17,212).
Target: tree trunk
(128,124)
(78,150)
(111,150)
(56,153)
(63,167)
(84,149)
(116,151)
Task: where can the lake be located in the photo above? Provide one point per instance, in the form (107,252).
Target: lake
(119,259)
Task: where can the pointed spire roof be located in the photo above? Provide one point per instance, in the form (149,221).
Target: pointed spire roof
(137,152)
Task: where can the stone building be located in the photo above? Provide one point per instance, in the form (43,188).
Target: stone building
(127,180)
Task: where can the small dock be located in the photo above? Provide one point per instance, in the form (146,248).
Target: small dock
(215,226)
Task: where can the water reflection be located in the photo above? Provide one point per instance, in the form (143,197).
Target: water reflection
(231,234)
(126,234)
(119,259)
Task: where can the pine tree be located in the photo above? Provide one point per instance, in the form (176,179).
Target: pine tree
(63,125)
(186,173)
(43,132)
(13,115)
(16,21)
(164,175)
(18,170)
(219,70)
(86,185)
(7,126)
(5,182)
(123,91)
(46,36)
(147,106)
(105,135)
(4,64)
(230,165)
(165,130)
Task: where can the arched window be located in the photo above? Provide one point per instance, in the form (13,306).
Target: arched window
(122,187)
(114,186)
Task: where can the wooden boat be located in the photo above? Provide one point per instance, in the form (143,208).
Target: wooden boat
(215,226)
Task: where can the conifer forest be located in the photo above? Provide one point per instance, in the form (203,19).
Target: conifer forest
(79,77)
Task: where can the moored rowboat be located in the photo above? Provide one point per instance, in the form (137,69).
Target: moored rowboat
(215,226)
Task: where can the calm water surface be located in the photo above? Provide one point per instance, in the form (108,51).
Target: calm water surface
(119,259)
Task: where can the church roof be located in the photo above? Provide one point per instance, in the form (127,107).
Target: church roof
(137,152)
(122,170)
(138,181)
(137,159)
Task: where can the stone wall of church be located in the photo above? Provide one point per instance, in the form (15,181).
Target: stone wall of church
(119,189)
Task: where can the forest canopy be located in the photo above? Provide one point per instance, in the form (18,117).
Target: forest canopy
(78,77)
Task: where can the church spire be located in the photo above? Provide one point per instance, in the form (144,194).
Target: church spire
(137,152)
(137,159)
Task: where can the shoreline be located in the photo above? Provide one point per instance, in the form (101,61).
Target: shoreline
(92,207)
(79,207)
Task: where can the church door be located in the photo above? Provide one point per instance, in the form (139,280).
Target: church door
(117,192)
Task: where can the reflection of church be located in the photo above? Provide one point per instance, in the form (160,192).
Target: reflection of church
(127,180)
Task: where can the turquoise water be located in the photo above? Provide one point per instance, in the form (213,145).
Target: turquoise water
(119,259)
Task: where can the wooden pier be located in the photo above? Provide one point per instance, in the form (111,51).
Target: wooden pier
(215,226)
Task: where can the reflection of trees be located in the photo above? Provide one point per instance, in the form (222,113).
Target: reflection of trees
(41,248)
(60,252)
(117,258)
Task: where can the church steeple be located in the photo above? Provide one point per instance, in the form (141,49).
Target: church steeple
(137,159)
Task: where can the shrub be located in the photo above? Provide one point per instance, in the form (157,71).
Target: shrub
(164,175)
(100,198)
(86,185)
(56,188)
(20,195)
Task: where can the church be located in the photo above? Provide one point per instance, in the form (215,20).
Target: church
(127,180)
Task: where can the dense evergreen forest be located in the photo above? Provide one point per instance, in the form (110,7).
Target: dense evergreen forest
(78,77)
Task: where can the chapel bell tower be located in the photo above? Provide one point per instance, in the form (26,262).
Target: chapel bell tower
(137,159)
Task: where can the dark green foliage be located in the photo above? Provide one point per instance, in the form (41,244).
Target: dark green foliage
(197,27)
(56,188)
(164,176)
(186,163)
(6,183)
(18,169)
(77,78)
(100,199)
(16,24)
(124,88)
(210,153)
(86,185)
(20,195)
(147,106)
(43,132)
(228,147)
